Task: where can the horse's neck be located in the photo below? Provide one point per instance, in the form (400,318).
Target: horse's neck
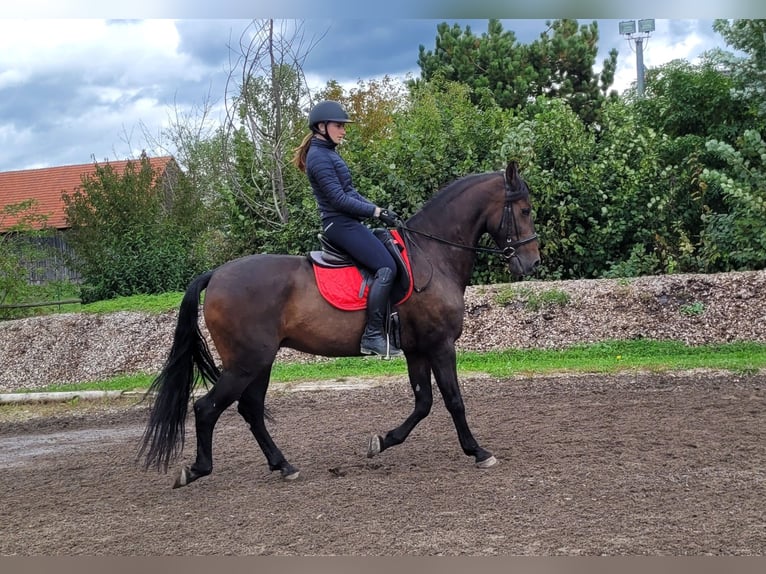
(463,228)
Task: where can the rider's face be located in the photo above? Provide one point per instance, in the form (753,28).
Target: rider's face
(336,131)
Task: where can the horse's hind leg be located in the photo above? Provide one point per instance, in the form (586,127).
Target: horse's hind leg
(420,379)
(207,410)
(253,410)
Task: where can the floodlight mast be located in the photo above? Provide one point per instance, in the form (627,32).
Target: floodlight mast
(628,29)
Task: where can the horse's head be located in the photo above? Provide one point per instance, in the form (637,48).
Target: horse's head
(514,231)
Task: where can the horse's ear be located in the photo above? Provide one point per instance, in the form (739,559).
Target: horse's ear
(512,171)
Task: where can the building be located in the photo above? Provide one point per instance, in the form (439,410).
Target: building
(45,186)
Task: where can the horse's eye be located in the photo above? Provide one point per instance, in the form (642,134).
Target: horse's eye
(526,211)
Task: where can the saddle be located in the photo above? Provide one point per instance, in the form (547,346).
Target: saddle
(344,284)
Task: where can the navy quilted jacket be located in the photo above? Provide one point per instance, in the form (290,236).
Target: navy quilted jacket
(330,180)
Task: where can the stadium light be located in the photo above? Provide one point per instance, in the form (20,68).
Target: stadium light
(628,29)
(646,26)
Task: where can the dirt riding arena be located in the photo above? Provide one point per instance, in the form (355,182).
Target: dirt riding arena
(632,464)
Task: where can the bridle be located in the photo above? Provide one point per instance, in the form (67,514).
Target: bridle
(510,197)
(509,249)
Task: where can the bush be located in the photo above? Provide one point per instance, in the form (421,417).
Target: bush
(19,253)
(135,233)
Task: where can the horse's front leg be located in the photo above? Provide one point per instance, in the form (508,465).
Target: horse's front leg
(420,379)
(444,366)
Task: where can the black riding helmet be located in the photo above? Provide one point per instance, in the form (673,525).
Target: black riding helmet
(328,111)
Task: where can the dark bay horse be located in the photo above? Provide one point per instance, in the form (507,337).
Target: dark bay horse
(256,304)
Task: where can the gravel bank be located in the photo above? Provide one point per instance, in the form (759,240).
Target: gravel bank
(692,308)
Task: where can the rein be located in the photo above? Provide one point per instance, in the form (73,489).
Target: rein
(509,250)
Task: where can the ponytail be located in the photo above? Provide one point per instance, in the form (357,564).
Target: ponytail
(299,157)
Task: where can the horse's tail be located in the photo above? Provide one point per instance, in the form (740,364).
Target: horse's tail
(163,439)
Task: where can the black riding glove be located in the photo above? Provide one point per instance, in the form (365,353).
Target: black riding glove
(389,217)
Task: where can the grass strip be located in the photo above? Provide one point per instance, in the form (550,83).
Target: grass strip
(603,357)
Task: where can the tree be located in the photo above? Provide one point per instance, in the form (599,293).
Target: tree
(597,194)
(735,237)
(19,250)
(372,104)
(495,61)
(560,65)
(267,98)
(266,117)
(749,71)
(684,99)
(689,104)
(134,232)
(565,63)
(437,136)
(195,140)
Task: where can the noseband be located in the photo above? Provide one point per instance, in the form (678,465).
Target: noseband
(509,250)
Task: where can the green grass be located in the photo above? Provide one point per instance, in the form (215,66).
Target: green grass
(146,303)
(615,356)
(605,357)
(692,309)
(35,294)
(531,300)
(66,291)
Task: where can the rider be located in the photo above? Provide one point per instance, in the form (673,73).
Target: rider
(342,209)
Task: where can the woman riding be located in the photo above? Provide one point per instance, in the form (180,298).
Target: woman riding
(342,209)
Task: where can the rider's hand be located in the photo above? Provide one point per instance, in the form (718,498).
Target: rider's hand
(389,217)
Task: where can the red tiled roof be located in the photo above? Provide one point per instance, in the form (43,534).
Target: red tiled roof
(47,184)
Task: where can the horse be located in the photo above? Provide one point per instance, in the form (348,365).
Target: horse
(256,304)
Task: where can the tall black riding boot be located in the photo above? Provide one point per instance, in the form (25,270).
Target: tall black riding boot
(374,340)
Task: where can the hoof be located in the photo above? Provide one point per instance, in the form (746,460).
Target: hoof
(487,462)
(374,446)
(183,478)
(289,472)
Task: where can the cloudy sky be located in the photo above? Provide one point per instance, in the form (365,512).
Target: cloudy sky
(73,90)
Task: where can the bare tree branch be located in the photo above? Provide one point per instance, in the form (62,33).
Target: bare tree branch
(266,98)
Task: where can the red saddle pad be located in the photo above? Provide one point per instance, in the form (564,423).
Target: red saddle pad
(343,287)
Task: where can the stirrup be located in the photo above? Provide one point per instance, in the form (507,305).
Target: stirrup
(389,349)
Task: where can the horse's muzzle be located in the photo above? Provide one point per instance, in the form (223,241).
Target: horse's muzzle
(521,264)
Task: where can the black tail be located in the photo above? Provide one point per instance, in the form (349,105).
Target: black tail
(163,439)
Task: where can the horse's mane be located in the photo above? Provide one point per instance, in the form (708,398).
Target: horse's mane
(444,196)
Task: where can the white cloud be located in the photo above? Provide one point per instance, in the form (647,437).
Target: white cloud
(75,87)
(97,49)
(9,78)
